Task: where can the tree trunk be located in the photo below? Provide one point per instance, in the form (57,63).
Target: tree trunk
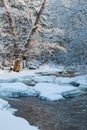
(12,28)
(17,65)
(22,53)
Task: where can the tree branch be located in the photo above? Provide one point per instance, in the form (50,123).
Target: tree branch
(11,23)
(34,28)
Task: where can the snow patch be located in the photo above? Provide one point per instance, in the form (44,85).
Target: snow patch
(15,89)
(52,91)
(9,121)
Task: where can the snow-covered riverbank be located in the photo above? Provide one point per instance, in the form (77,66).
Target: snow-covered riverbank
(42,83)
(10,122)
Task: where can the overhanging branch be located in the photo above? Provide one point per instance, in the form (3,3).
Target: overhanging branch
(34,28)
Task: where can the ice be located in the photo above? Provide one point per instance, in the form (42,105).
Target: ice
(82,80)
(47,87)
(43,79)
(64,80)
(52,91)
(29,75)
(15,89)
(49,91)
(4,105)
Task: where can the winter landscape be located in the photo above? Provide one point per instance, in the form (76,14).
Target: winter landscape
(43,65)
(42,83)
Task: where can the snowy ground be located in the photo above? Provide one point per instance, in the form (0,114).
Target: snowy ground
(47,87)
(33,83)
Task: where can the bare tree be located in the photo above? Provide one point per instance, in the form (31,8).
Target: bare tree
(22,54)
(13,33)
(18,55)
(12,26)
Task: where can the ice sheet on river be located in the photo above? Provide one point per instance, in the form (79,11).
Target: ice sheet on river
(51,91)
(15,89)
(48,91)
(16,84)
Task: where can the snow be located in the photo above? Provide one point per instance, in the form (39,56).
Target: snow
(44,87)
(52,91)
(51,68)
(82,80)
(4,105)
(49,91)
(10,122)
(48,79)
(64,80)
(15,89)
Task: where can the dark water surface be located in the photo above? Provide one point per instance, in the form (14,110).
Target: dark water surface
(69,114)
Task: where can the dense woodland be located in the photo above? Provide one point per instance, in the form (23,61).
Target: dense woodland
(42,31)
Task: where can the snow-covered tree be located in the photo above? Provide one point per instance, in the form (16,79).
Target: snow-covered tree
(19,52)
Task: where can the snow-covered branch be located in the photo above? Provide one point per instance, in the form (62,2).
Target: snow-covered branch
(11,23)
